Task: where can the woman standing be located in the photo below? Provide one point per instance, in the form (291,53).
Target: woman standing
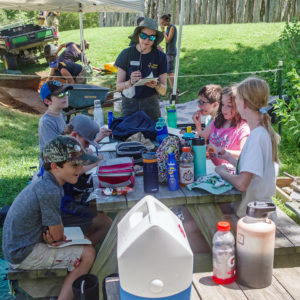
(170,36)
(142,61)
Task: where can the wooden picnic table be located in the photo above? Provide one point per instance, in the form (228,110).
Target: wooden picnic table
(285,286)
(201,211)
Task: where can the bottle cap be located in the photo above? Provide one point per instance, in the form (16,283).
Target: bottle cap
(97,102)
(171,155)
(186,149)
(259,209)
(189,129)
(171,110)
(110,113)
(200,141)
(223,226)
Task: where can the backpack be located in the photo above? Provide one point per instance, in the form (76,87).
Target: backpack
(169,144)
(116,172)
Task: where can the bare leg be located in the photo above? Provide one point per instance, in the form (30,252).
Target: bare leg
(99,228)
(171,80)
(86,261)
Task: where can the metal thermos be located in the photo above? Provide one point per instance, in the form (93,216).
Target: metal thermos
(255,242)
(150,170)
(199,149)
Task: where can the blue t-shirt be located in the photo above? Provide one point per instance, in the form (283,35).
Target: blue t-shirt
(154,62)
(72,53)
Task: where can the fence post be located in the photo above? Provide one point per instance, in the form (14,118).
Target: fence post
(280,64)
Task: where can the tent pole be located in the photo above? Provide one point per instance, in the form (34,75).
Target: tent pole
(178,50)
(81,38)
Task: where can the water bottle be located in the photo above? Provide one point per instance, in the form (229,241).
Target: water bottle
(172,170)
(98,113)
(199,150)
(188,135)
(110,118)
(172,118)
(255,243)
(150,175)
(161,129)
(186,167)
(223,254)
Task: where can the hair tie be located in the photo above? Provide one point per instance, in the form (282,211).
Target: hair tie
(263,110)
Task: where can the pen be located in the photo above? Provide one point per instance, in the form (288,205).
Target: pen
(62,241)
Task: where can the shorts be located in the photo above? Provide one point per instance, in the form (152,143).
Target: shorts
(83,218)
(149,105)
(81,77)
(44,257)
(170,63)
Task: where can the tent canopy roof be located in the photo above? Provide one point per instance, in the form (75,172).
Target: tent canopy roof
(75,5)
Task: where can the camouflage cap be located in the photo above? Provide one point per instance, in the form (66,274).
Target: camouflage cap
(66,148)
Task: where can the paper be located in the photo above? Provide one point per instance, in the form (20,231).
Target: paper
(145,80)
(175,131)
(74,236)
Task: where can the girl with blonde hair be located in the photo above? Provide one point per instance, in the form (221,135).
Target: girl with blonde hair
(255,169)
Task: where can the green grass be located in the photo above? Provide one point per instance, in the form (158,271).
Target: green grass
(206,49)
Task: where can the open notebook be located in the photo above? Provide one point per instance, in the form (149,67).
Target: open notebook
(74,236)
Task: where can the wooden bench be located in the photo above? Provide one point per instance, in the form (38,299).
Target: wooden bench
(39,283)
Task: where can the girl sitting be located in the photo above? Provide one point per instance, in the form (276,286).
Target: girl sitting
(228,130)
(255,169)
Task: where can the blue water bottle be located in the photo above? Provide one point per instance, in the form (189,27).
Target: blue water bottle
(172,169)
(161,129)
(110,118)
(150,175)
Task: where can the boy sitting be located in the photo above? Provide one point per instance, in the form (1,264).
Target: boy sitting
(209,100)
(34,219)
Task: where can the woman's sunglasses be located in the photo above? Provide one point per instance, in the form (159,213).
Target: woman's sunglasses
(144,36)
(61,95)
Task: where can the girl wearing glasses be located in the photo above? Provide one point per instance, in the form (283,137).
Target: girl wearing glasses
(170,36)
(143,60)
(227,131)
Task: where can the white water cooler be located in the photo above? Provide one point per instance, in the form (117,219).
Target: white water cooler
(154,256)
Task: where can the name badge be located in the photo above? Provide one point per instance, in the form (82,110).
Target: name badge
(134,63)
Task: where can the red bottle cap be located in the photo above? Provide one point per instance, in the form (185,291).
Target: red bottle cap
(223,226)
(186,149)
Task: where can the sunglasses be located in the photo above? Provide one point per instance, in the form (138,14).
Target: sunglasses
(63,94)
(201,102)
(144,36)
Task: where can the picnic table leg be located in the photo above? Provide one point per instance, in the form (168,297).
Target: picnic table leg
(106,259)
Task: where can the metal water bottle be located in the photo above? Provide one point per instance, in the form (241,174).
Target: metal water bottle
(110,118)
(199,149)
(255,243)
(98,113)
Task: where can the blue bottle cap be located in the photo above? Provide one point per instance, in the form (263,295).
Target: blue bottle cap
(171,155)
(171,110)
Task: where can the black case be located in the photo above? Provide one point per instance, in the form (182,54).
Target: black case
(131,149)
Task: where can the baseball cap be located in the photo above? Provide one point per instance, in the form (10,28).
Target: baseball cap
(53,87)
(53,63)
(66,148)
(86,127)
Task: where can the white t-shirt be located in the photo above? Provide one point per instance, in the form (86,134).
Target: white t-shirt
(256,158)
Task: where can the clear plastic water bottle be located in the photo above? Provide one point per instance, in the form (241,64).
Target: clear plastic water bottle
(98,113)
(110,118)
(186,167)
(172,170)
(223,254)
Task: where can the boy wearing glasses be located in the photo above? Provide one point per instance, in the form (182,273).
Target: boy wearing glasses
(209,100)
(33,222)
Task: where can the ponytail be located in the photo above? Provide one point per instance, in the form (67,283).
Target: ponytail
(255,92)
(166,18)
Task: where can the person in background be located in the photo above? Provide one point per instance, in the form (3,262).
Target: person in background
(72,52)
(70,71)
(255,169)
(52,20)
(33,222)
(170,34)
(143,60)
(209,99)
(227,131)
(41,19)
(138,21)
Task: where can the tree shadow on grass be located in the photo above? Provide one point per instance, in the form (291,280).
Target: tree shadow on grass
(220,61)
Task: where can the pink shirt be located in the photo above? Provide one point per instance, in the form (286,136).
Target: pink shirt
(228,138)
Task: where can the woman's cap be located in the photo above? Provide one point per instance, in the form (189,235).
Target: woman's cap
(53,88)
(66,148)
(147,23)
(86,127)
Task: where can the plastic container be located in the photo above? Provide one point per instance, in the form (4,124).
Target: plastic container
(172,171)
(98,113)
(86,287)
(172,118)
(150,172)
(188,135)
(199,149)
(255,243)
(83,95)
(223,254)
(155,260)
(186,167)
(110,118)
(161,129)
